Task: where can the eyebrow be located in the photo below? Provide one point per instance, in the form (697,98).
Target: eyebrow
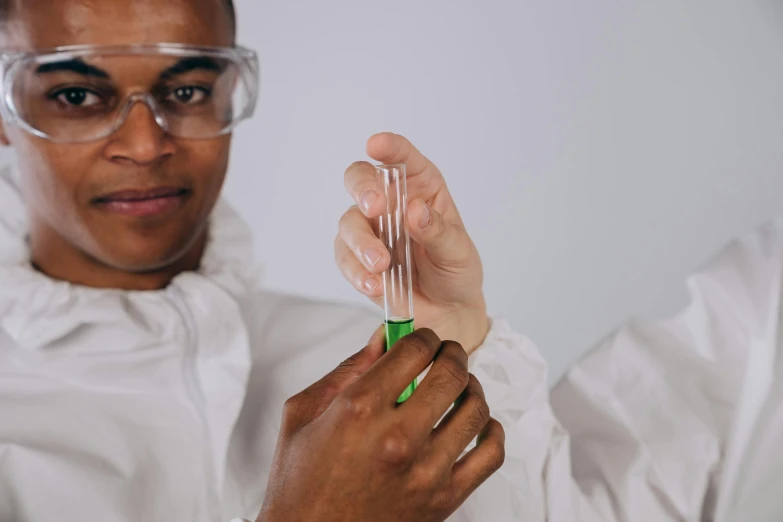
(187,65)
(82,68)
(77,66)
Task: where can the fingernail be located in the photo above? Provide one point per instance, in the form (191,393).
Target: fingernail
(367,199)
(370,284)
(424,220)
(372,256)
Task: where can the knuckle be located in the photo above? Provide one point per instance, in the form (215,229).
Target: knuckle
(480,415)
(344,225)
(479,402)
(477,410)
(439,228)
(426,477)
(341,252)
(355,406)
(495,447)
(349,368)
(349,364)
(292,405)
(482,412)
(477,418)
(354,170)
(497,455)
(292,410)
(458,374)
(344,260)
(422,344)
(448,380)
(329,389)
(358,166)
(430,336)
(455,367)
(457,351)
(396,449)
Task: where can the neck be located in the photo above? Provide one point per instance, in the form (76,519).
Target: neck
(55,257)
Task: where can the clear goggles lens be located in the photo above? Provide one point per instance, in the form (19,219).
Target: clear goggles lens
(83,94)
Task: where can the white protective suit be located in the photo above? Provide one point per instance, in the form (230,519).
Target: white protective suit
(165,405)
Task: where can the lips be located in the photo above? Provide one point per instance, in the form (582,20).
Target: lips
(143,203)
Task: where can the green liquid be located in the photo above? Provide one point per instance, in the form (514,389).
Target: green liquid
(396,330)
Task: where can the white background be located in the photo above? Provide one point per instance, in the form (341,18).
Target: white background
(599,151)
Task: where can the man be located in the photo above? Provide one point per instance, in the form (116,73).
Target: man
(143,372)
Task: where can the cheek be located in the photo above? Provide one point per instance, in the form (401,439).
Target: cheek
(210,162)
(52,176)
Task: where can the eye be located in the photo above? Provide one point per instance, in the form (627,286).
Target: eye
(77,97)
(188,95)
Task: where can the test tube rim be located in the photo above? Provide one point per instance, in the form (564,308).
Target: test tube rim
(391,166)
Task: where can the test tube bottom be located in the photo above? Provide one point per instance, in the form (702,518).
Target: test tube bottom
(396,330)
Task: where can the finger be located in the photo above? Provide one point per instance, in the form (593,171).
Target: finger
(447,242)
(394,372)
(351,369)
(445,382)
(459,427)
(361,182)
(365,282)
(313,401)
(391,149)
(358,235)
(481,462)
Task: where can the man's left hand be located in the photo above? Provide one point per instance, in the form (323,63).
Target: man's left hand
(447,273)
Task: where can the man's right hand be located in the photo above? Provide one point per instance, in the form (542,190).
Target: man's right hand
(348,452)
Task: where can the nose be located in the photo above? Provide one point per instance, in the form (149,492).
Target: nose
(140,140)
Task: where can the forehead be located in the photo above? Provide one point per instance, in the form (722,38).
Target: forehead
(42,24)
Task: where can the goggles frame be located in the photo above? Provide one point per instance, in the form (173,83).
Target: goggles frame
(11,62)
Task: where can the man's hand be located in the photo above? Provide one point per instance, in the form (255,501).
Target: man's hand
(447,272)
(347,452)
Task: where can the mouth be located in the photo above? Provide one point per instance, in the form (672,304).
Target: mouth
(143,203)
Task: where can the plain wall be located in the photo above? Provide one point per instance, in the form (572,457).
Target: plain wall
(599,151)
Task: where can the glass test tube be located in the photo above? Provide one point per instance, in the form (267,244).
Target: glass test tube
(397,280)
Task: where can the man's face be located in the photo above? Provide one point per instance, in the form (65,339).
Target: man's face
(86,195)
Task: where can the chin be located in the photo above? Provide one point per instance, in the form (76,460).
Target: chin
(137,265)
(141,257)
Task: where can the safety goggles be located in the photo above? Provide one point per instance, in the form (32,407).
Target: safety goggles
(84,93)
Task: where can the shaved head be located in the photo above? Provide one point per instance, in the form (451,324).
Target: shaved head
(6,11)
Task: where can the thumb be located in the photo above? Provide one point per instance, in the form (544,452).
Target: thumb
(447,243)
(313,401)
